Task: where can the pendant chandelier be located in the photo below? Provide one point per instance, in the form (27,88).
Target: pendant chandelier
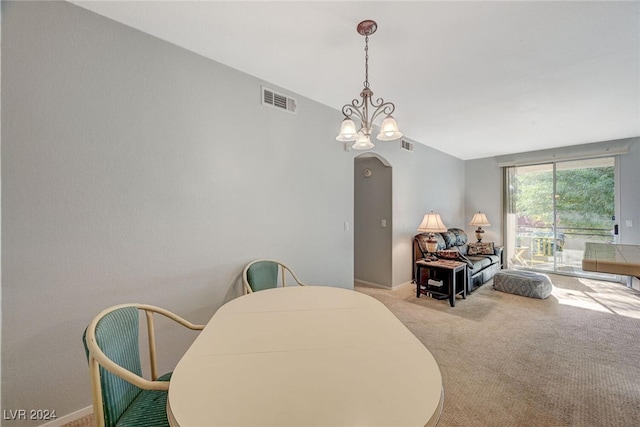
(360,107)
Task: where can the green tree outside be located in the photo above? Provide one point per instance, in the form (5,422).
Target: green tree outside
(584,198)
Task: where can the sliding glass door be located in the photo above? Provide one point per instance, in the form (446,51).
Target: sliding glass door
(554,208)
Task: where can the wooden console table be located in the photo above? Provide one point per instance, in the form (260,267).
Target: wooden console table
(452,273)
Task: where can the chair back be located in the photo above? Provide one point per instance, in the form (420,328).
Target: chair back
(117,336)
(120,393)
(262,275)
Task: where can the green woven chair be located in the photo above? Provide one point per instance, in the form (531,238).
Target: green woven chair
(121,396)
(263,274)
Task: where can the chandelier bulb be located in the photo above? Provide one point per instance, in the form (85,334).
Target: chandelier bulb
(348,131)
(389,129)
(363,142)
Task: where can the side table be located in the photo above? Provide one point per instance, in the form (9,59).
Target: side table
(453,273)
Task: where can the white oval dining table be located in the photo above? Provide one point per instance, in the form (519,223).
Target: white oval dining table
(305,356)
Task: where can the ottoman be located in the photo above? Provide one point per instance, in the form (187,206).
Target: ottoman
(525,283)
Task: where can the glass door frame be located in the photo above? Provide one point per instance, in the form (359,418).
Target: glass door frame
(510,226)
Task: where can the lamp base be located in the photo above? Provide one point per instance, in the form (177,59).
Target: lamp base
(431,245)
(479,234)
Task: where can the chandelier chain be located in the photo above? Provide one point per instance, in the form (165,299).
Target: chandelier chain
(366,61)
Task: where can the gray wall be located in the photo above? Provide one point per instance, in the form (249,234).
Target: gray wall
(424,180)
(483,192)
(133,170)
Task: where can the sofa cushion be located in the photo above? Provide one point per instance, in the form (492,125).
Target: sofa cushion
(461,236)
(449,239)
(495,259)
(464,249)
(441,242)
(479,262)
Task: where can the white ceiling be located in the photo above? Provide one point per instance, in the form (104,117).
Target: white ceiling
(473,79)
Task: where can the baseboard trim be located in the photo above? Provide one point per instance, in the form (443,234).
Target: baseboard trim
(371,284)
(402,285)
(59,422)
(377,285)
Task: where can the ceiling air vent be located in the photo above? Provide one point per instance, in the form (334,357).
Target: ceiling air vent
(406,145)
(277,100)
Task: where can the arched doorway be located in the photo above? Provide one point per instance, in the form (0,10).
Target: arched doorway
(373,222)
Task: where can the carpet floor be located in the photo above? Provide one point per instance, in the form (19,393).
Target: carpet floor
(572,359)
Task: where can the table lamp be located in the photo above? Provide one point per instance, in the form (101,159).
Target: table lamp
(431,223)
(480,220)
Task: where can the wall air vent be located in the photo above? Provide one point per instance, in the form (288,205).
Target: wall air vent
(406,145)
(277,100)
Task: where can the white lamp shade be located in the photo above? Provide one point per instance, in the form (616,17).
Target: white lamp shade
(348,131)
(389,130)
(479,219)
(432,223)
(363,142)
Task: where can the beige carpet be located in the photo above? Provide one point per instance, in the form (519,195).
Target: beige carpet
(86,421)
(506,360)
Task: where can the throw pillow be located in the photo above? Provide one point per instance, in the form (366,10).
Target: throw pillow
(449,253)
(481,248)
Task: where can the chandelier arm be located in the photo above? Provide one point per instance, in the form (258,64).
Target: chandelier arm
(353,109)
(382,107)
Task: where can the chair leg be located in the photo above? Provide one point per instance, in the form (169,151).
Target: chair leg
(98,409)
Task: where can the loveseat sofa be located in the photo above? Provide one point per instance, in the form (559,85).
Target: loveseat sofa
(483,260)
